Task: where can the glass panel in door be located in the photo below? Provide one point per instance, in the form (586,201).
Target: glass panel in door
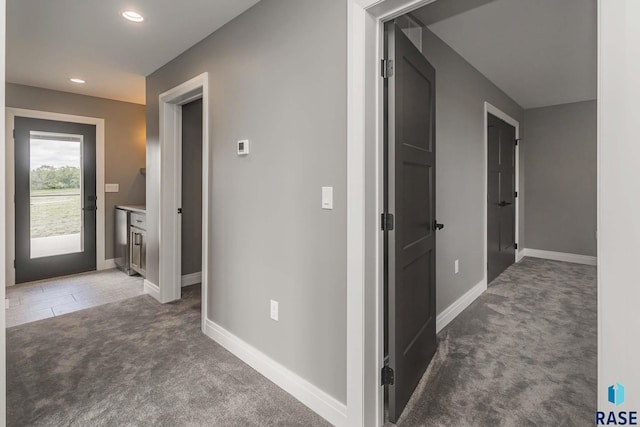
(56,223)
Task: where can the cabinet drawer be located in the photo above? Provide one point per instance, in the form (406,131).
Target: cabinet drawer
(139,220)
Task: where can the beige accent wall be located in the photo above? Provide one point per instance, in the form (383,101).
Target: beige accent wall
(125,133)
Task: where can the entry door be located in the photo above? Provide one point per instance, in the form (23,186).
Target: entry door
(501,196)
(411,198)
(55,203)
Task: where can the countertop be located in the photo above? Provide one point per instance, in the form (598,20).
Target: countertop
(133,208)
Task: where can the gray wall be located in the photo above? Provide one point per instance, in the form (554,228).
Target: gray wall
(192,187)
(124,140)
(561,162)
(278,78)
(460,155)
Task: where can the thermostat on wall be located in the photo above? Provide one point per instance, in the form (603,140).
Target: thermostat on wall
(243,147)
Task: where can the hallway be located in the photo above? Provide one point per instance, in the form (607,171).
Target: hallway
(524,353)
(137,363)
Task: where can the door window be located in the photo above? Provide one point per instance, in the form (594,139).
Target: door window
(55,184)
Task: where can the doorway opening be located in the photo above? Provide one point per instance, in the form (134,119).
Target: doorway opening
(192,98)
(191,194)
(465,251)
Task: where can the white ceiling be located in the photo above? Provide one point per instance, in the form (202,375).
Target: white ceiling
(50,41)
(540,52)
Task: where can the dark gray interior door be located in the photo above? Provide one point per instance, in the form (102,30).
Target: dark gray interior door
(501,198)
(55,203)
(410,196)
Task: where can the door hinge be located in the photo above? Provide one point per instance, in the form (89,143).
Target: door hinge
(515,194)
(14,263)
(515,246)
(387,222)
(387,68)
(517,141)
(387,376)
(179,210)
(14,134)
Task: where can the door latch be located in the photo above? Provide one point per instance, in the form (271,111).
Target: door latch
(437,226)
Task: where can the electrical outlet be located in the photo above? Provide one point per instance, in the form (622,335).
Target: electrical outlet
(274,310)
(456,266)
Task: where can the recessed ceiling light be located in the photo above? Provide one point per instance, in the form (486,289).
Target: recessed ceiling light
(132,15)
(76,80)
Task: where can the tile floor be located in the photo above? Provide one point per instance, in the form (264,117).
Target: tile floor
(55,297)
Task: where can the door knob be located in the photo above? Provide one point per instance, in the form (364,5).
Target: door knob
(437,226)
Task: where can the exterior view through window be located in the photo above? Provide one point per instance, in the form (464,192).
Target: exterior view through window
(56,194)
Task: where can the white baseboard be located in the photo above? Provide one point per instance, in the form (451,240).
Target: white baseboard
(106,264)
(191,279)
(519,255)
(152,289)
(317,400)
(451,312)
(560,256)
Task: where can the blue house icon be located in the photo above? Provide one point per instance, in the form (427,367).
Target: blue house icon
(616,394)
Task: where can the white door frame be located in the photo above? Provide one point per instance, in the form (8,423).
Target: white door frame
(171,102)
(10,115)
(364,202)
(490,109)
(365,400)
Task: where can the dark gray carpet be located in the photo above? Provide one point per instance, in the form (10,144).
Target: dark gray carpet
(523,354)
(137,363)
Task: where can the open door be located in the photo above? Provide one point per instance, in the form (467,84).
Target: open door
(410,223)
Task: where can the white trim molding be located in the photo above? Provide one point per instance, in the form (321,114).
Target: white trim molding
(191,279)
(451,312)
(170,232)
(3,220)
(10,115)
(519,255)
(317,400)
(365,398)
(152,289)
(107,264)
(560,256)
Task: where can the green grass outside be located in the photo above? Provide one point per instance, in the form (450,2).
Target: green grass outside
(55,212)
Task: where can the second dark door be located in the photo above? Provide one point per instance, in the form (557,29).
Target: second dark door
(501,196)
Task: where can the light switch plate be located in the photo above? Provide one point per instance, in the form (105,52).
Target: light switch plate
(327,197)
(111,188)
